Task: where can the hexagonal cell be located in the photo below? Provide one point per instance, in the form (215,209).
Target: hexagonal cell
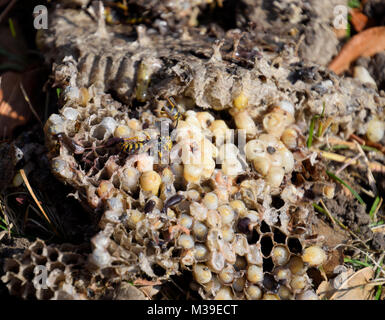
(268,265)
(277,202)
(55,265)
(266,245)
(279,236)
(29,291)
(294,245)
(39,260)
(52,254)
(270,283)
(253,237)
(240,263)
(239,284)
(11,265)
(14,286)
(70,258)
(28,272)
(264,228)
(37,247)
(44,294)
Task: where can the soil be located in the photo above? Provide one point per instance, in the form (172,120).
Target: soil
(350,212)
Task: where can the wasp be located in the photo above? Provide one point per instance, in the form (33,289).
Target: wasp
(171,111)
(134,144)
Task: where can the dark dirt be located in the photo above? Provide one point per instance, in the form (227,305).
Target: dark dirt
(355,216)
(378,241)
(350,212)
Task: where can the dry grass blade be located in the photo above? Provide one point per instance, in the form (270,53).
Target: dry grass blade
(30,104)
(372,181)
(367,43)
(373,165)
(327,212)
(24,176)
(336,157)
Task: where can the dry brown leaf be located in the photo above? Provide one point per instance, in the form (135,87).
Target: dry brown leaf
(14,110)
(359,20)
(324,290)
(366,44)
(356,286)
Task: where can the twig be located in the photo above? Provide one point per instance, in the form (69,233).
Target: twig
(348,163)
(327,212)
(372,181)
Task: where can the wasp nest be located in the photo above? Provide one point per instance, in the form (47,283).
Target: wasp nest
(188,150)
(47,272)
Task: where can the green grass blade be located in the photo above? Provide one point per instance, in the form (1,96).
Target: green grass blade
(374,207)
(378,293)
(319,208)
(12,27)
(58,92)
(339,147)
(348,29)
(309,141)
(378,223)
(354,4)
(357,262)
(367,148)
(354,192)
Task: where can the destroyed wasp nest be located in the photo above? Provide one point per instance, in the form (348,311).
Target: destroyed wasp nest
(60,266)
(224,209)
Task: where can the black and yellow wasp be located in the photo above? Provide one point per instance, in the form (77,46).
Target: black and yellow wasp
(133,145)
(171,111)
